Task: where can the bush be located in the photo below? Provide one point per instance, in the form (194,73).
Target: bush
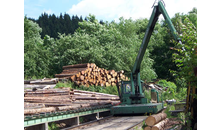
(168,84)
(172,92)
(53,126)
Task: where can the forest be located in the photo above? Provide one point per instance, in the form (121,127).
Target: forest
(51,42)
(51,24)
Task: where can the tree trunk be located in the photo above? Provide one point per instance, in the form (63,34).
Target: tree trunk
(160,125)
(72,107)
(96,93)
(48,91)
(92,74)
(148,128)
(39,110)
(153,119)
(48,99)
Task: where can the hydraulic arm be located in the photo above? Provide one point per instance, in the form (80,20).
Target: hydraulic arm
(130,92)
(135,74)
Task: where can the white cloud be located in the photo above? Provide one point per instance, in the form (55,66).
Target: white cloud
(48,11)
(114,9)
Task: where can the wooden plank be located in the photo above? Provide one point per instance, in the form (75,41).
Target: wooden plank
(39,85)
(42,81)
(77,66)
(96,93)
(94,98)
(65,75)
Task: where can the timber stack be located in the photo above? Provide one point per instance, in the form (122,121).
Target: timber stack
(90,74)
(41,83)
(156,122)
(63,99)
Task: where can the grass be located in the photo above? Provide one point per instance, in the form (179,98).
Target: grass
(65,84)
(108,90)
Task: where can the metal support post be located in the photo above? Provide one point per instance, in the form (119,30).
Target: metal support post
(98,115)
(77,120)
(46,125)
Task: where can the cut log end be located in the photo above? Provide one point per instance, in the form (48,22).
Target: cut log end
(152,120)
(148,128)
(161,125)
(89,74)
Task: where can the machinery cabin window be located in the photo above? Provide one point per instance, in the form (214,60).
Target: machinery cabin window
(127,88)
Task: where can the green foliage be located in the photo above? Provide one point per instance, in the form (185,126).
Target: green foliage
(186,60)
(168,84)
(53,126)
(109,45)
(109,90)
(186,54)
(173,92)
(65,84)
(52,25)
(162,40)
(81,119)
(110,48)
(169,108)
(35,56)
(170,93)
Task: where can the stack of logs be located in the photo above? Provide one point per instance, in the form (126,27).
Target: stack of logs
(41,83)
(52,100)
(90,74)
(156,122)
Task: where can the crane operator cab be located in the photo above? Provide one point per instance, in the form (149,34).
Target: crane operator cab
(129,96)
(134,103)
(127,88)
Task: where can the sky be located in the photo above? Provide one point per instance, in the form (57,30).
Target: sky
(106,10)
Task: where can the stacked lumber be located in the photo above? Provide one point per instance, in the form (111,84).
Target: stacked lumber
(49,92)
(90,74)
(62,99)
(41,83)
(156,122)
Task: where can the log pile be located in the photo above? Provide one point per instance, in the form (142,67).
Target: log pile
(62,99)
(41,83)
(90,74)
(156,122)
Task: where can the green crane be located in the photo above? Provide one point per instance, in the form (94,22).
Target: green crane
(130,92)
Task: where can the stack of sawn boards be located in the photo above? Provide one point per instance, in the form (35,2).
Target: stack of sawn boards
(90,74)
(55,100)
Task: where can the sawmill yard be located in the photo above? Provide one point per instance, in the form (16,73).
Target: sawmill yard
(65,95)
(80,72)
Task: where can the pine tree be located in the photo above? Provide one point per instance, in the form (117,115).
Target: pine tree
(52,25)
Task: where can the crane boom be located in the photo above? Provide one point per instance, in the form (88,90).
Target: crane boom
(130,92)
(135,74)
